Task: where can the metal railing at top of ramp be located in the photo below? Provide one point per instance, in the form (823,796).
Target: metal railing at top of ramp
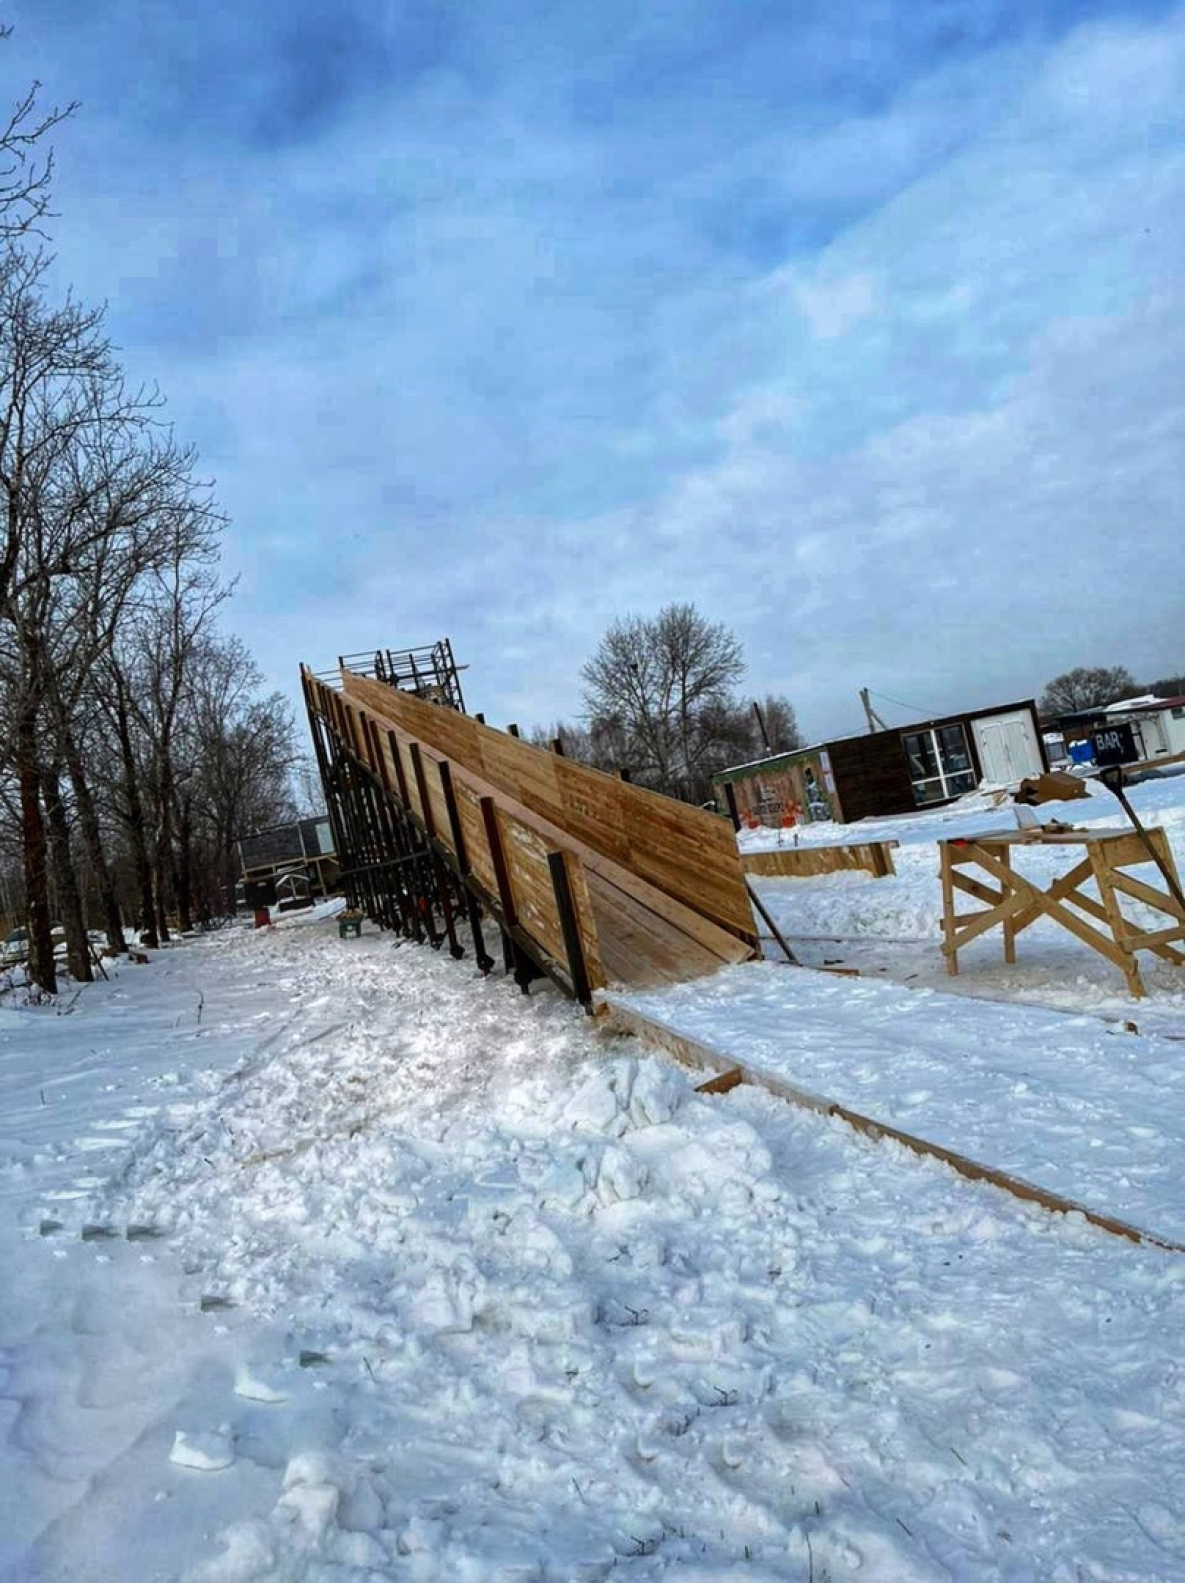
(430,671)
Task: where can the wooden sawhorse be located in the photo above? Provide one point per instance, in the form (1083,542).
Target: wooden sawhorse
(1017,903)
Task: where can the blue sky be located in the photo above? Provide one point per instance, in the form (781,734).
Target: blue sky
(862,327)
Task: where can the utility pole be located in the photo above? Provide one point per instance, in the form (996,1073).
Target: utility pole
(875,723)
(761,725)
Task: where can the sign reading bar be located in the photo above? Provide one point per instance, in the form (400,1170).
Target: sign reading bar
(1115,745)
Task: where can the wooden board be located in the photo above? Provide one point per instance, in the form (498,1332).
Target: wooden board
(643,949)
(801,862)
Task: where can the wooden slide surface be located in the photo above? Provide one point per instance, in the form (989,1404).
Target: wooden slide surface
(657,885)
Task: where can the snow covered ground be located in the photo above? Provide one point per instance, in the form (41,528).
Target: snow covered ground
(328,1260)
(1086,1098)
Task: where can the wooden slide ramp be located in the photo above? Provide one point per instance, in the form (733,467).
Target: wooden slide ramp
(656,886)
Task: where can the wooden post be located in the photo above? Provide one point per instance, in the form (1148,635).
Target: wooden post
(440,874)
(379,757)
(417,769)
(557,862)
(1113,781)
(770,924)
(948,910)
(454,816)
(511,952)
(489,814)
(1101,869)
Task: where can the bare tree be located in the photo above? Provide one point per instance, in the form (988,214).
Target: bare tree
(1168,687)
(575,741)
(90,489)
(146,675)
(139,485)
(25,172)
(242,745)
(1086,687)
(57,382)
(107,595)
(654,691)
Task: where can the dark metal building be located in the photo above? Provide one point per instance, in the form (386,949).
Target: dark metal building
(303,847)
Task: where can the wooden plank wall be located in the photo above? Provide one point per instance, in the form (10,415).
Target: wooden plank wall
(802,862)
(632,932)
(688,853)
(872,775)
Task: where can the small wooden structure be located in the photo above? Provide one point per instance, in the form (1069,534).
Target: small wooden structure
(805,862)
(444,821)
(293,892)
(1015,902)
(302,846)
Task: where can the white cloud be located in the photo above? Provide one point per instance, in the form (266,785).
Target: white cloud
(832,307)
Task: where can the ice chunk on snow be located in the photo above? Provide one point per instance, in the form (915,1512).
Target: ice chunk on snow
(309,1467)
(313,1507)
(561,1186)
(208,1450)
(255,1387)
(656,1095)
(445,1301)
(616,1175)
(247,1555)
(362,1509)
(361,1550)
(596,1106)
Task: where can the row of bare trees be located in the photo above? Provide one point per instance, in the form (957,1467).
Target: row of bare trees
(136,744)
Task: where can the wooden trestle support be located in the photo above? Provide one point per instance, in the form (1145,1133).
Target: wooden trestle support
(444,826)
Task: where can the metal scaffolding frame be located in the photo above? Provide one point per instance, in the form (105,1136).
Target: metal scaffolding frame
(430,671)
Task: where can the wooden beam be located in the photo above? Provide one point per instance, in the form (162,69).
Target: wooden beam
(699,1056)
(489,814)
(558,862)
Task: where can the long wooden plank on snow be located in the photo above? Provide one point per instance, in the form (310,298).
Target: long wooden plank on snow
(704,1057)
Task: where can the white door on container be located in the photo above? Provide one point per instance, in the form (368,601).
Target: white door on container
(1007,746)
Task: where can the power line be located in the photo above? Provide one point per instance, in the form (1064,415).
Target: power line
(917,709)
